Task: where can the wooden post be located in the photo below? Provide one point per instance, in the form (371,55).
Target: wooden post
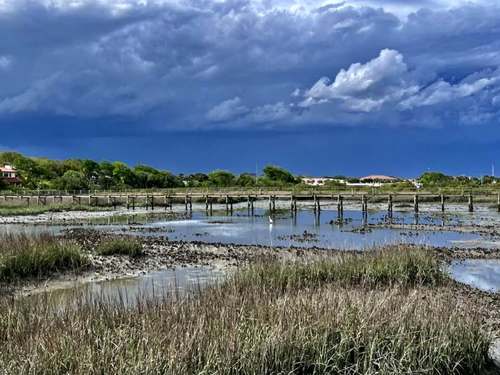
(152,202)
(190,203)
(389,204)
(133,202)
(274,203)
(442,202)
(415,203)
(186,203)
(231,205)
(227,204)
(340,205)
(211,211)
(318,203)
(471,203)
(206,202)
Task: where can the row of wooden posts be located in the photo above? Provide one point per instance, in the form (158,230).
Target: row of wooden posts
(167,201)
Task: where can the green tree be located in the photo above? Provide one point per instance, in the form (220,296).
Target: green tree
(91,170)
(277,174)
(435,178)
(245,179)
(122,175)
(72,181)
(221,178)
(105,178)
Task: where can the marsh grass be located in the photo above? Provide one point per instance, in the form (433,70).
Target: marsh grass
(120,246)
(31,256)
(325,325)
(397,265)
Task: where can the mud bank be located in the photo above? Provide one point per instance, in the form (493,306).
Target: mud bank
(158,253)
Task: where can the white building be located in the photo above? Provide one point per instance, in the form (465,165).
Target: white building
(320,181)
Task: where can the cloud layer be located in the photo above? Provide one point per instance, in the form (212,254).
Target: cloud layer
(199,64)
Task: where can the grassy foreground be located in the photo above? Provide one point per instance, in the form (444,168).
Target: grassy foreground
(387,312)
(31,256)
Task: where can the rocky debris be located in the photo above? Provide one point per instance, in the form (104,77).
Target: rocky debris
(301,238)
(159,252)
(494,352)
(76,217)
(341,221)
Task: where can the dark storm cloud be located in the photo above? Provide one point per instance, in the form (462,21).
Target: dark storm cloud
(198,64)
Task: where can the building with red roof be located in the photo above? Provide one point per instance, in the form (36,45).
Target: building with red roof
(9,175)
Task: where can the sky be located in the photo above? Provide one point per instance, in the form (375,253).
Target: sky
(352,87)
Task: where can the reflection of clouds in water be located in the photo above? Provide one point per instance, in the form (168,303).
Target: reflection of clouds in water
(225,230)
(129,290)
(480,273)
(178,223)
(257,230)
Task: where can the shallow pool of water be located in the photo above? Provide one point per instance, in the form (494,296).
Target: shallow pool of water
(483,274)
(168,283)
(304,229)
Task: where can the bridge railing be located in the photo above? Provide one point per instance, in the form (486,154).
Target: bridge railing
(255,191)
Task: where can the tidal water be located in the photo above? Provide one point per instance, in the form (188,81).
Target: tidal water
(305,229)
(164,284)
(353,231)
(483,274)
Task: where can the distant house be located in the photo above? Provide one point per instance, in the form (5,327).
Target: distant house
(9,175)
(320,181)
(378,178)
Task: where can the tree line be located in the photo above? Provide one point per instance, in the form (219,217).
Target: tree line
(86,174)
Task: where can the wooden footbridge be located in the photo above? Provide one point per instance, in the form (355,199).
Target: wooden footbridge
(318,200)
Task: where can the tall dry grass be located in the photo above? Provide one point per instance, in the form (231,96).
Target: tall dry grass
(37,255)
(342,318)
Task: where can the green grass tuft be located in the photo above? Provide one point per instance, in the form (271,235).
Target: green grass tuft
(120,246)
(383,267)
(30,256)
